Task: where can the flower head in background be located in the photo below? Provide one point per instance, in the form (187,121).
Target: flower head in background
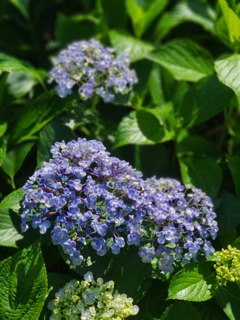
(93,69)
(88,197)
(91,300)
(227,265)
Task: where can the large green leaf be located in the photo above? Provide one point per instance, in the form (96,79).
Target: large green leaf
(193,283)
(20,83)
(143,13)
(234,166)
(54,131)
(156,124)
(204,100)
(229,300)
(3,128)
(14,158)
(134,48)
(181,310)
(35,115)
(115,14)
(11,64)
(228,213)
(196,145)
(2,151)
(201,172)
(196,11)
(210,310)
(130,274)
(185,59)
(9,235)
(128,132)
(232,21)
(22,6)
(23,285)
(227,70)
(155,84)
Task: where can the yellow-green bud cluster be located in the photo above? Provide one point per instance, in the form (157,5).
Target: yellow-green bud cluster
(227,265)
(91,300)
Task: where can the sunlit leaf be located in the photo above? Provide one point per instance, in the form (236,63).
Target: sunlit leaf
(23,285)
(185,59)
(143,13)
(134,48)
(227,71)
(193,284)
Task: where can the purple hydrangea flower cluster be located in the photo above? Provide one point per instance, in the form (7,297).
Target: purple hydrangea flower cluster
(91,198)
(94,70)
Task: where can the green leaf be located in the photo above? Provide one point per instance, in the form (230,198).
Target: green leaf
(227,71)
(14,158)
(3,81)
(203,101)
(232,22)
(3,128)
(185,59)
(221,30)
(12,65)
(134,48)
(196,11)
(22,6)
(210,310)
(155,84)
(143,312)
(236,243)
(201,172)
(152,123)
(158,163)
(55,131)
(115,13)
(12,200)
(23,285)
(181,310)
(2,152)
(9,235)
(144,13)
(129,274)
(194,283)
(35,115)
(229,300)
(234,166)
(70,28)
(228,213)
(196,145)
(128,132)
(20,83)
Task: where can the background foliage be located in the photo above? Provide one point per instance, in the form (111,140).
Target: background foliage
(182,121)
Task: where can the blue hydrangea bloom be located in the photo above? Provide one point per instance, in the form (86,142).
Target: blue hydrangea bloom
(93,69)
(88,197)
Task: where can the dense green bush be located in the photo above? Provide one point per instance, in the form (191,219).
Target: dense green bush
(181,121)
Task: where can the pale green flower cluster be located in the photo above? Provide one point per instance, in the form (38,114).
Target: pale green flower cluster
(91,300)
(227,265)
